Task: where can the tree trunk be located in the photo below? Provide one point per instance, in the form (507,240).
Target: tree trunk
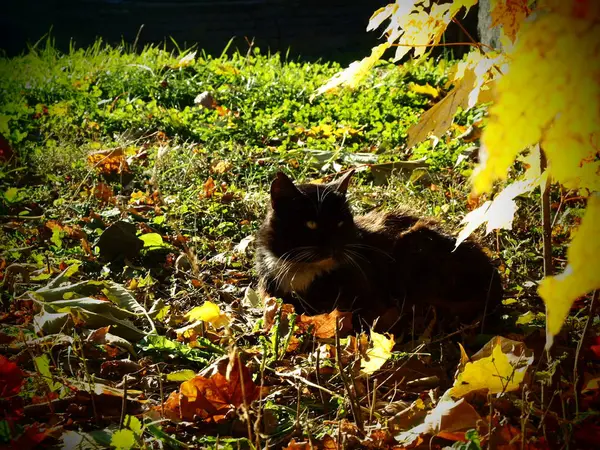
(487,35)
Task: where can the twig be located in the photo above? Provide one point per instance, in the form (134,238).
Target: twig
(351,392)
(546,220)
(579,346)
(22,217)
(309,383)
(124,402)
(246,407)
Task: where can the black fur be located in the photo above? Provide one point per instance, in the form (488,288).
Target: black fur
(374,265)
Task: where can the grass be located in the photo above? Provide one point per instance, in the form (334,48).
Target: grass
(105,134)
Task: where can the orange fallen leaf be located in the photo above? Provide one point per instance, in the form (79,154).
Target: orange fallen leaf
(209,187)
(109,161)
(324,325)
(205,399)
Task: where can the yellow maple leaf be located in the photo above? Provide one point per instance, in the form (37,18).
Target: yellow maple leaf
(378,353)
(499,213)
(550,95)
(581,275)
(354,74)
(436,120)
(426,89)
(509,15)
(500,372)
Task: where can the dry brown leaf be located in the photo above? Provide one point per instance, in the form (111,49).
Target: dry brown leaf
(209,187)
(293,445)
(271,310)
(109,161)
(449,418)
(324,325)
(213,398)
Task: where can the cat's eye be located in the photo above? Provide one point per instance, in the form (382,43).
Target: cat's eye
(311,224)
(340,224)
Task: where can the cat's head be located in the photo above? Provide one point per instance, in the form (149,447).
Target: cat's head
(309,222)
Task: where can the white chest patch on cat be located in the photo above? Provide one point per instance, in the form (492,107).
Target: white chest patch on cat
(294,276)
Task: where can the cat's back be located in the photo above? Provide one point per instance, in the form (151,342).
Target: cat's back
(425,262)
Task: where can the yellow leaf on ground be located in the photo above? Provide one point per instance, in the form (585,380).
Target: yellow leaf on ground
(208,312)
(378,353)
(581,275)
(426,89)
(501,371)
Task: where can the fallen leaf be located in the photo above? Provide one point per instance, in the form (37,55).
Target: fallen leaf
(209,187)
(325,325)
(450,419)
(202,398)
(499,367)
(208,312)
(119,240)
(426,89)
(378,353)
(11,378)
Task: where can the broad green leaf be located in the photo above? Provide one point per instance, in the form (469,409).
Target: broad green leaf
(11,195)
(51,323)
(181,375)
(527,318)
(378,353)
(122,298)
(42,364)
(123,439)
(152,240)
(174,348)
(134,424)
(4,128)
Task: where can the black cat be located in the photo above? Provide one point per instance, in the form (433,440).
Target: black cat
(313,253)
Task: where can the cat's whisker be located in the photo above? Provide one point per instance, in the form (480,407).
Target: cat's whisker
(328,190)
(359,255)
(371,247)
(352,261)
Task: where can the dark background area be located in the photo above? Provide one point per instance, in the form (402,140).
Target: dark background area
(310,29)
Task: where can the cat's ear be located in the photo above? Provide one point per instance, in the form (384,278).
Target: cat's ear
(282,187)
(341,184)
